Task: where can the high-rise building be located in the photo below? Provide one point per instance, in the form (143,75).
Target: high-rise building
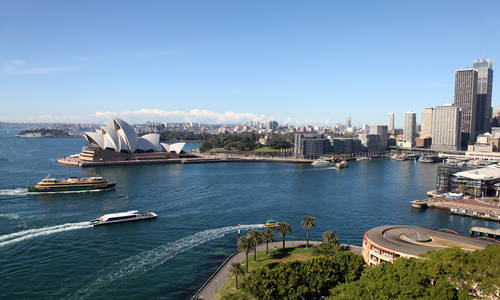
(484,68)
(272,125)
(380,130)
(426,123)
(410,129)
(466,99)
(348,123)
(495,121)
(446,128)
(390,121)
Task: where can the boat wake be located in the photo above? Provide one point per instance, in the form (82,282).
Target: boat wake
(16,237)
(14,192)
(10,216)
(147,260)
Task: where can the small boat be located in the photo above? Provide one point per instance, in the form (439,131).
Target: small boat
(271,223)
(72,184)
(341,165)
(320,163)
(128,216)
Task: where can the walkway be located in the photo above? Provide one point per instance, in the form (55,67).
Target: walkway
(217,280)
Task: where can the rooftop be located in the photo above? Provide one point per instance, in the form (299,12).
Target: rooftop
(487,173)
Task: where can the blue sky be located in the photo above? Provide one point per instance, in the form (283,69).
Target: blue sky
(223,61)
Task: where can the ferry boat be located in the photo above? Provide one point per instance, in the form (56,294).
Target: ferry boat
(128,216)
(271,223)
(341,165)
(320,163)
(429,159)
(49,184)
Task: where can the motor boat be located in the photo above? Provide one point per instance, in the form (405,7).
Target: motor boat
(128,216)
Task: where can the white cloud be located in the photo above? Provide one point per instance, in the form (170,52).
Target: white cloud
(194,115)
(20,67)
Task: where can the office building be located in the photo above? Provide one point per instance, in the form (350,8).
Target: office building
(446,128)
(310,146)
(371,143)
(484,70)
(466,99)
(410,129)
(345,145)
(390,122)
(495,122)
(426,123)
(348,123)
(380,130)
(272,125)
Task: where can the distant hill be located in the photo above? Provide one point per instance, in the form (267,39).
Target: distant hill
(44,132)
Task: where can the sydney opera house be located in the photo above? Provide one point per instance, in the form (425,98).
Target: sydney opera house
(118,143)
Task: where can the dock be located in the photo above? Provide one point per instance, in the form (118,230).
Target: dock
(485,232)
(471,207)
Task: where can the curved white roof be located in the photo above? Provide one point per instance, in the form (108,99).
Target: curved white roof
(176,147)
(120,136)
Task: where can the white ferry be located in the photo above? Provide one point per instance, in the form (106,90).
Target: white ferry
(321,162)
(128,216)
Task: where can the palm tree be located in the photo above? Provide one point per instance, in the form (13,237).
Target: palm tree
(245,245)
(256,238)
(308,223)
(330,238)
(284,229)
(267,236)
(236,269)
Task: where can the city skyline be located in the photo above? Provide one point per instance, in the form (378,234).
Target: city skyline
(300,64)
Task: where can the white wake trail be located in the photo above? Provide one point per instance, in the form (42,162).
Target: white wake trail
(16,237)
(14,192)
(147,260)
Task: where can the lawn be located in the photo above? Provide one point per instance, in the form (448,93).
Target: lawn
(274,257)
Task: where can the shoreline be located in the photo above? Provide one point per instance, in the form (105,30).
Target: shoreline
(211,287)
(464,207)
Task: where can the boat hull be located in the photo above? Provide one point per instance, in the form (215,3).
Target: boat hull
(71,187)
(142,218)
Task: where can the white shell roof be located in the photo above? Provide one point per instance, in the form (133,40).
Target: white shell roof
(176,147)
(119,135)
(487,173)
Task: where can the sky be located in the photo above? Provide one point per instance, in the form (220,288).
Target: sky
(297,62)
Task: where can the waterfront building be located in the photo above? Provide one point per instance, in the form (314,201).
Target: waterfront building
(371,143)
(495,121)
(423,142)
(380,130)
(481,182)
(426,123)
(446,128)
(466,99)
(410,128)
(388,243)
(484,68)
(345,145)
(390,122)
(310,146)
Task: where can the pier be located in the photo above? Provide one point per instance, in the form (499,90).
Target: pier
(483,232)
(471,207)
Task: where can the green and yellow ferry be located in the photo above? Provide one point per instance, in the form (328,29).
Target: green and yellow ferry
(72,184)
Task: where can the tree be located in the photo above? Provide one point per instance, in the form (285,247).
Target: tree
(245,244)
(308,222)
(330,238)
(284,229)
(236,269)
(268,237)
(256,238)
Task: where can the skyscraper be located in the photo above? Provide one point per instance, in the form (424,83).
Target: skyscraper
(409,131)
(466,99)
(380,130)
(446,129)
(390,121)
(426,123)
(348,122)
(484,70)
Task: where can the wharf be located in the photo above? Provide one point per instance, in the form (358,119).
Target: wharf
(76,162)
(485,232)
(472,207)
(217,280)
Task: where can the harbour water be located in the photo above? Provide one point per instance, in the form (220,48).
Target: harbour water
(48,250)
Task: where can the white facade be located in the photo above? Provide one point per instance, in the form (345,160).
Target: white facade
(426,123)
(390,123)
(446,128)
(120,136)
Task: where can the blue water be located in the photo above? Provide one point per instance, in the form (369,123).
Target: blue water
(199,207)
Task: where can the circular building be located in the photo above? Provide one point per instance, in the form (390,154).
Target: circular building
(387,243)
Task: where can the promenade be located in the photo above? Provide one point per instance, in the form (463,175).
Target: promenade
(217,280)
(472,207)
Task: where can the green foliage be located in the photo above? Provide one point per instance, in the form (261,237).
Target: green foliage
(330,245)
(307,279)
(245,244)
(256,237)
(280,142)
(268,237)
(235,295)
(243,142)
(284,229)
(445,274)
